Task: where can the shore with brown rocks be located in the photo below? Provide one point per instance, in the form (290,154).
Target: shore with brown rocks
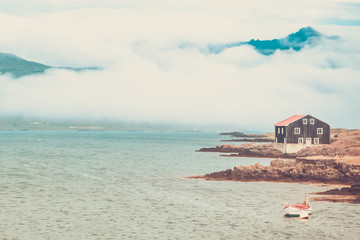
(295,170)
(345,194)
(242,137)
(249,140)
(336,163)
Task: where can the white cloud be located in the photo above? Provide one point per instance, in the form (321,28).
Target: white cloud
(147,77)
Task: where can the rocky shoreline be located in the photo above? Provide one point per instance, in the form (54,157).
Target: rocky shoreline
(247,150)
(345,194)
(249,140)
(297,170)
(243,135)
(344,143)
(335,163)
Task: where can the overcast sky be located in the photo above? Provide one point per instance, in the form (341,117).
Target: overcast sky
(146,75)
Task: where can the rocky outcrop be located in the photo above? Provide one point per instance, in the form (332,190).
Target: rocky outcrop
(247,150)
(345,194)
(299,170)
(242,137)
(353,190)
(335,163)
(249,140)
(240,134)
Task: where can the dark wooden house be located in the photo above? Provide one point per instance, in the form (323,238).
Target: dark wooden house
(300,131)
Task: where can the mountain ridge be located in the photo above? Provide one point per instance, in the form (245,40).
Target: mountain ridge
(19,67)
(306,36)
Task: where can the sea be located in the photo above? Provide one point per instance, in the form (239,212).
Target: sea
(133,185)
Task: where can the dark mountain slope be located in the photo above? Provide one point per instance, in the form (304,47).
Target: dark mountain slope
(18,67)
(296,41)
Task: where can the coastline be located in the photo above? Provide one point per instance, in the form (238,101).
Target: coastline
(338,193)
(314,183)
(298,171)
(336,165)
(318,184)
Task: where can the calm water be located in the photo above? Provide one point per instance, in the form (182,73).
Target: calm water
(128,185)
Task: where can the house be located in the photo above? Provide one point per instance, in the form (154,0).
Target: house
(300,131)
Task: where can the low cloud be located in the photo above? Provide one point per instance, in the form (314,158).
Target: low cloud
(147,77)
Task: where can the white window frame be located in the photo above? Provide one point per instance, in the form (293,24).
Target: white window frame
(300,140)
(297,130)
(316,141)
(312,121)
(320,131)
(304,120)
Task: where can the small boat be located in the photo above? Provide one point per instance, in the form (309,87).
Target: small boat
(301,210)
(304,214)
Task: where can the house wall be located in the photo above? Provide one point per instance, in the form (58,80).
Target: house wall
(288,142)
(280,134)
(289,147)
(308,131)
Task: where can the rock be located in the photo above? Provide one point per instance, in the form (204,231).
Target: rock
(323,171)
(336,163)
(353,190)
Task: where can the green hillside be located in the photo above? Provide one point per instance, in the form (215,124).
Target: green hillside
(18,67)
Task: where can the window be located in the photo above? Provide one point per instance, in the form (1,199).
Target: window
(316,140)
(304,120)
(319,131)
(278,130)
(300,140)
(297,130)
(312,121)
(282,130)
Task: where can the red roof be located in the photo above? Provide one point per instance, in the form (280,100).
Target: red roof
(289,120)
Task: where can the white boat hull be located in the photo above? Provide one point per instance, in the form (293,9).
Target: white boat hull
(304,214)
(291,211)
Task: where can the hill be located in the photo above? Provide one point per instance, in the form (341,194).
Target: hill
(307,36)
(18,67)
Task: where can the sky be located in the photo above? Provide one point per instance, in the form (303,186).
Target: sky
(146,76)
